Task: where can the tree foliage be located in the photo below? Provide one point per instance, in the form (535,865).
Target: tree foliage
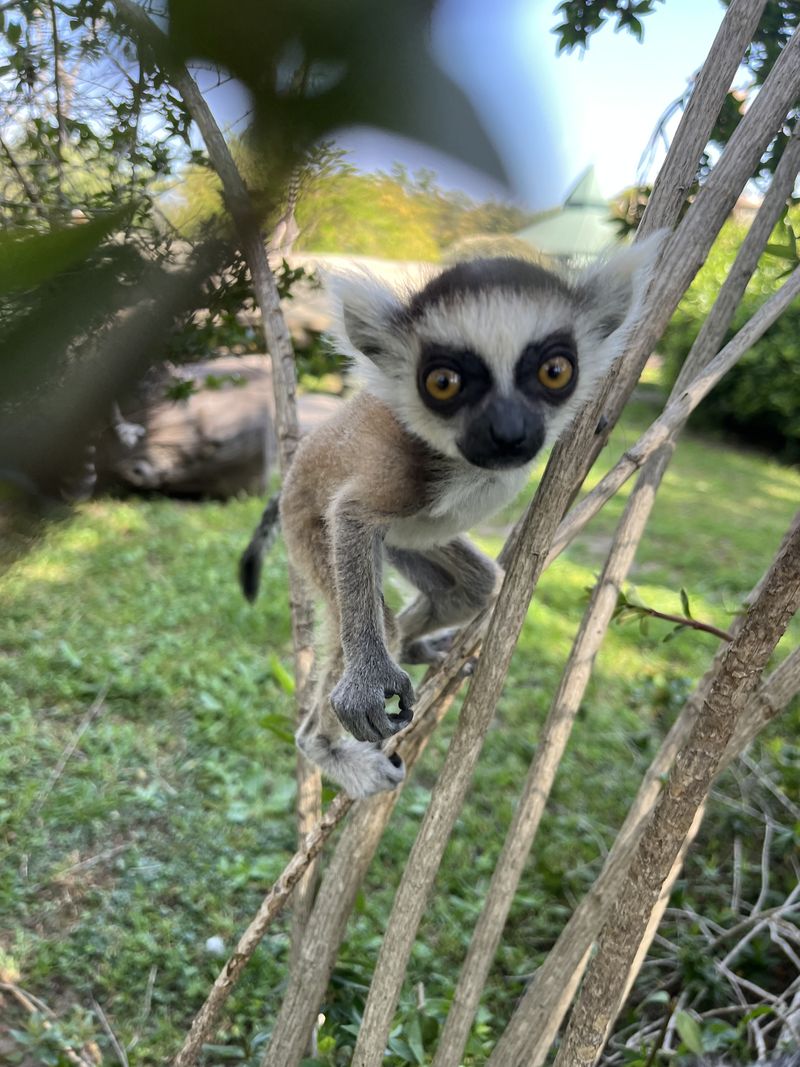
(759,399)
(583,18)
(391,215)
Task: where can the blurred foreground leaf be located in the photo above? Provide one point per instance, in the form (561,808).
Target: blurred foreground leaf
(314,66)
(28,259)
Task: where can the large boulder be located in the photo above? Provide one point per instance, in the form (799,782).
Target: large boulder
(218,441)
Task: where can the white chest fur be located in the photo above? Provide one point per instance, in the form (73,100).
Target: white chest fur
(466,498)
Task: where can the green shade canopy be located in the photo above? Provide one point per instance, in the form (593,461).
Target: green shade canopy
(581,227)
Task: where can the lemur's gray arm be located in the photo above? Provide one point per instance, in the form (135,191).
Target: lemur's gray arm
(371,675)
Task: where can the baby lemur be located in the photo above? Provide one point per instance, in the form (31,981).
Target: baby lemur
(464,382)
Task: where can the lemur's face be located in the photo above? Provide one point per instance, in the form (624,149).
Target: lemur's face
(493,358)
(496,360)
(498,424)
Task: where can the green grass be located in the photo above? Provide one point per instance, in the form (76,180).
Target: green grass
(174,812)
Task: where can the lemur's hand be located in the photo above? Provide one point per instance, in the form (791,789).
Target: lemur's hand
(359,698)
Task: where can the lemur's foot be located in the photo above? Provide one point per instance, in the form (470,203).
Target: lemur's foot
(432,649)
(359,767)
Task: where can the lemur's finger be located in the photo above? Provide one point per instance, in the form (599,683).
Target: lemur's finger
(399,722)
(407,698)
(363,728)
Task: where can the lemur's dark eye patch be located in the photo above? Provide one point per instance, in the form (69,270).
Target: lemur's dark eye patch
(548,368)
(450,378)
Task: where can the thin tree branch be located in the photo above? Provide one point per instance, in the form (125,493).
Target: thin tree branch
(686,253)
(273,902)
(675,414)
(62,130)
(695,768)
(675,177)
(279,346)
(32,1005)
(29,189)
(538,1016)
(784,683)
(684,620)
(343,878)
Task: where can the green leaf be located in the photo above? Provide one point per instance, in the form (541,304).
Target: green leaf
(402,1049)
(27,261)
(413,1033)
(276,724)
(281,675)
(690,1032)
(685,604)
(660,996)
(672,633)
(313,67)
(781,251)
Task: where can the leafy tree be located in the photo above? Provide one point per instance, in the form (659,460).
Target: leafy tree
(583,18)
(759,399)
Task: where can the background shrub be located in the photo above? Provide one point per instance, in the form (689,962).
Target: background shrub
(759,400)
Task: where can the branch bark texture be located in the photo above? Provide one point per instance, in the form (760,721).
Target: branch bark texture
(694,769)
(279,346)
(530,1033)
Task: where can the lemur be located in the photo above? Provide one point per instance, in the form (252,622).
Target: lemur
(464,382)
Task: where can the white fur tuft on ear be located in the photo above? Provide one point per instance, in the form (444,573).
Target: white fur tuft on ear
(612,290)
(364,309)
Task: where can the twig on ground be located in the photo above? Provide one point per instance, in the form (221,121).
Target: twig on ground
(112,1037)
(92,861)
(146,1005)
(94,710)
(35,1006)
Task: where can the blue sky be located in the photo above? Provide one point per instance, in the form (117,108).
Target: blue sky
(551,116)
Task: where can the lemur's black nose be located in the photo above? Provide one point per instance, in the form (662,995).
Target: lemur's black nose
(508,430)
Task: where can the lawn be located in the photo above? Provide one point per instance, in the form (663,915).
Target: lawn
(131,850)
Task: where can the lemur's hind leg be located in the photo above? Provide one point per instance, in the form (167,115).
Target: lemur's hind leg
(361,768)
(455,581)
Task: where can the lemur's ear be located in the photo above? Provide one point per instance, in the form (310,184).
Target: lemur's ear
(366,313)
(611,291)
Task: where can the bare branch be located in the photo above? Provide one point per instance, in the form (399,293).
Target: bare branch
(279,346)
(346,870)
(547,999)
(675,414)
(675,177)
(29,189)
(62,130)
(273,902)
(696,765)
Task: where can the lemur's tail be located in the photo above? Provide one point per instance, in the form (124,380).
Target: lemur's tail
(253,556)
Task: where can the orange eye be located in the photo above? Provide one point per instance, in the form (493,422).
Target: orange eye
(556,372)
(443,383)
